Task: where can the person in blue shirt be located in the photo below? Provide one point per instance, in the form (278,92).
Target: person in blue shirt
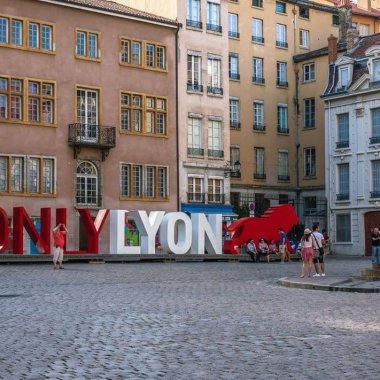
(282,244)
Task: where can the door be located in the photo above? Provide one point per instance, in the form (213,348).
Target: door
(371,220)
(87,115)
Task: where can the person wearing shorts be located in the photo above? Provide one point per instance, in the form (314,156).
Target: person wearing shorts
(307,253)
(318,259)
(282,244)
(59,233)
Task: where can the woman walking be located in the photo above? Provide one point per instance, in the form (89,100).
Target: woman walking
(307,253)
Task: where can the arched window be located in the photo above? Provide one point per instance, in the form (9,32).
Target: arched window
(87,184)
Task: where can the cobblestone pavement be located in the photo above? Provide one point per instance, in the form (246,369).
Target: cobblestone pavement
(183,321)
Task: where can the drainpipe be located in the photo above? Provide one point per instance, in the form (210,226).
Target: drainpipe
(176,113)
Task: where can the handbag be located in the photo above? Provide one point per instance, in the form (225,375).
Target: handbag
(320,249)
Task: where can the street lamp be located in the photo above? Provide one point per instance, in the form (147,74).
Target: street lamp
(232,170)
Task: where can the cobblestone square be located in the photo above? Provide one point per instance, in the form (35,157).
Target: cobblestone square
(184,321)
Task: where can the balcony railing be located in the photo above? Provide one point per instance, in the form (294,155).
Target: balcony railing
(88,200)
(259,176)
(258,127)
(235,76)
(215,198)
(214,90)
(282,177)
(234,125)
(196,197)
(282,83)
(233,34)
(259,80)
(194,24)
(90,135)
(343,197)
(342,144)
(195,87)
(195,151)
(215,153)
(375,194)
(282,130)
(374,140)
(257,39)
(235,174)
(282,44)
(214,28)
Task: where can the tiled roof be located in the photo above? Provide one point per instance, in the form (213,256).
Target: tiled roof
(372,12)
(363,44)
(116,8)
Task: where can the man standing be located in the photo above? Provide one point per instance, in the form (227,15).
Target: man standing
(319,252)
(375,237)
(59,233)
(282,244)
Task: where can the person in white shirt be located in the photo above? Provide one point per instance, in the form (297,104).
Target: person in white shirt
(318,259)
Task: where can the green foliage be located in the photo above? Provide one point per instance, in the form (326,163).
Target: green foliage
(242,211)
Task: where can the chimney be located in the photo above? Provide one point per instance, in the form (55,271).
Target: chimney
(332,48)
(352,38)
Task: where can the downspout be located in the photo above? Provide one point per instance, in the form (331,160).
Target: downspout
(177,113)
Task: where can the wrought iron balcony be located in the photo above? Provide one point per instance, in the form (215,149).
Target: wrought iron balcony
(343,197)
(235,76)
(234,125)
(375,194)
(214,90)
(282,130)
(258,127)
(215,198)
(195,87)
(374,140)
(196,197)
(256,79)
(94,200)
(233,34)
(194,24)
(259,176)
(258,39)
(90,135)
(282,83)
(214,28)
(195,151)
(215,153)
(282,177)
(342,144)
(282,44)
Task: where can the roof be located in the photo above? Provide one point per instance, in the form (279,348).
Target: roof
(371,12)
(359,61)
(116,9)
(313,5)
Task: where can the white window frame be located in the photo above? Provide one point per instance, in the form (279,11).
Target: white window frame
(304,36)
(308,70)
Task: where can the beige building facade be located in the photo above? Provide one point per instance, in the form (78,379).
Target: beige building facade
(87,110)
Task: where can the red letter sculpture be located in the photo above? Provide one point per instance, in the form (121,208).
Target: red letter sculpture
(4,230)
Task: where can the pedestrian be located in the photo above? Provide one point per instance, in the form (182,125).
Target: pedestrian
(307,253)
(326,238)
(375,236)
(251,249)
(318,258)
(282,244)
(59,233)
(262,250)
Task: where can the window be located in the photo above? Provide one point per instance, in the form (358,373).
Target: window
(281,36)
(304,12)
(258,115)
(343,228)
(193,17)
(375,121)
(215,142)
(233,66)
(282,74)
(363,30)
(155,56)
(259,160)
(194,73)
(257,30)
(194,136)
(335,20)
(257,3)
(309,162)
(308,72)
(215,190)
(376,70)
(87,184)
(233,25)
(257,70)
(234,113)
(213,17)
(39,97)
(143,181)
(343,131)
(26,174)
(87,45)
(309,113)
(304,38)
(195,189)
(283,165)
(136,53)
(310,205)
(280,7)
(375,193)
(134,106)
(38,35)
(343,77)
(343,182)
(235,161)
(214,79)
(88,114)
(282,118)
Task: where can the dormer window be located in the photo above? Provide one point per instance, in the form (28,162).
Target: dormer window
(344,77)
(376,70)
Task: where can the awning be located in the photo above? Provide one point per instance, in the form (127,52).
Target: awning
(225,210)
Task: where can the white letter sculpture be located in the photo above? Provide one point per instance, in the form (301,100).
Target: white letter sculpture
(207,234)
(117,234)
